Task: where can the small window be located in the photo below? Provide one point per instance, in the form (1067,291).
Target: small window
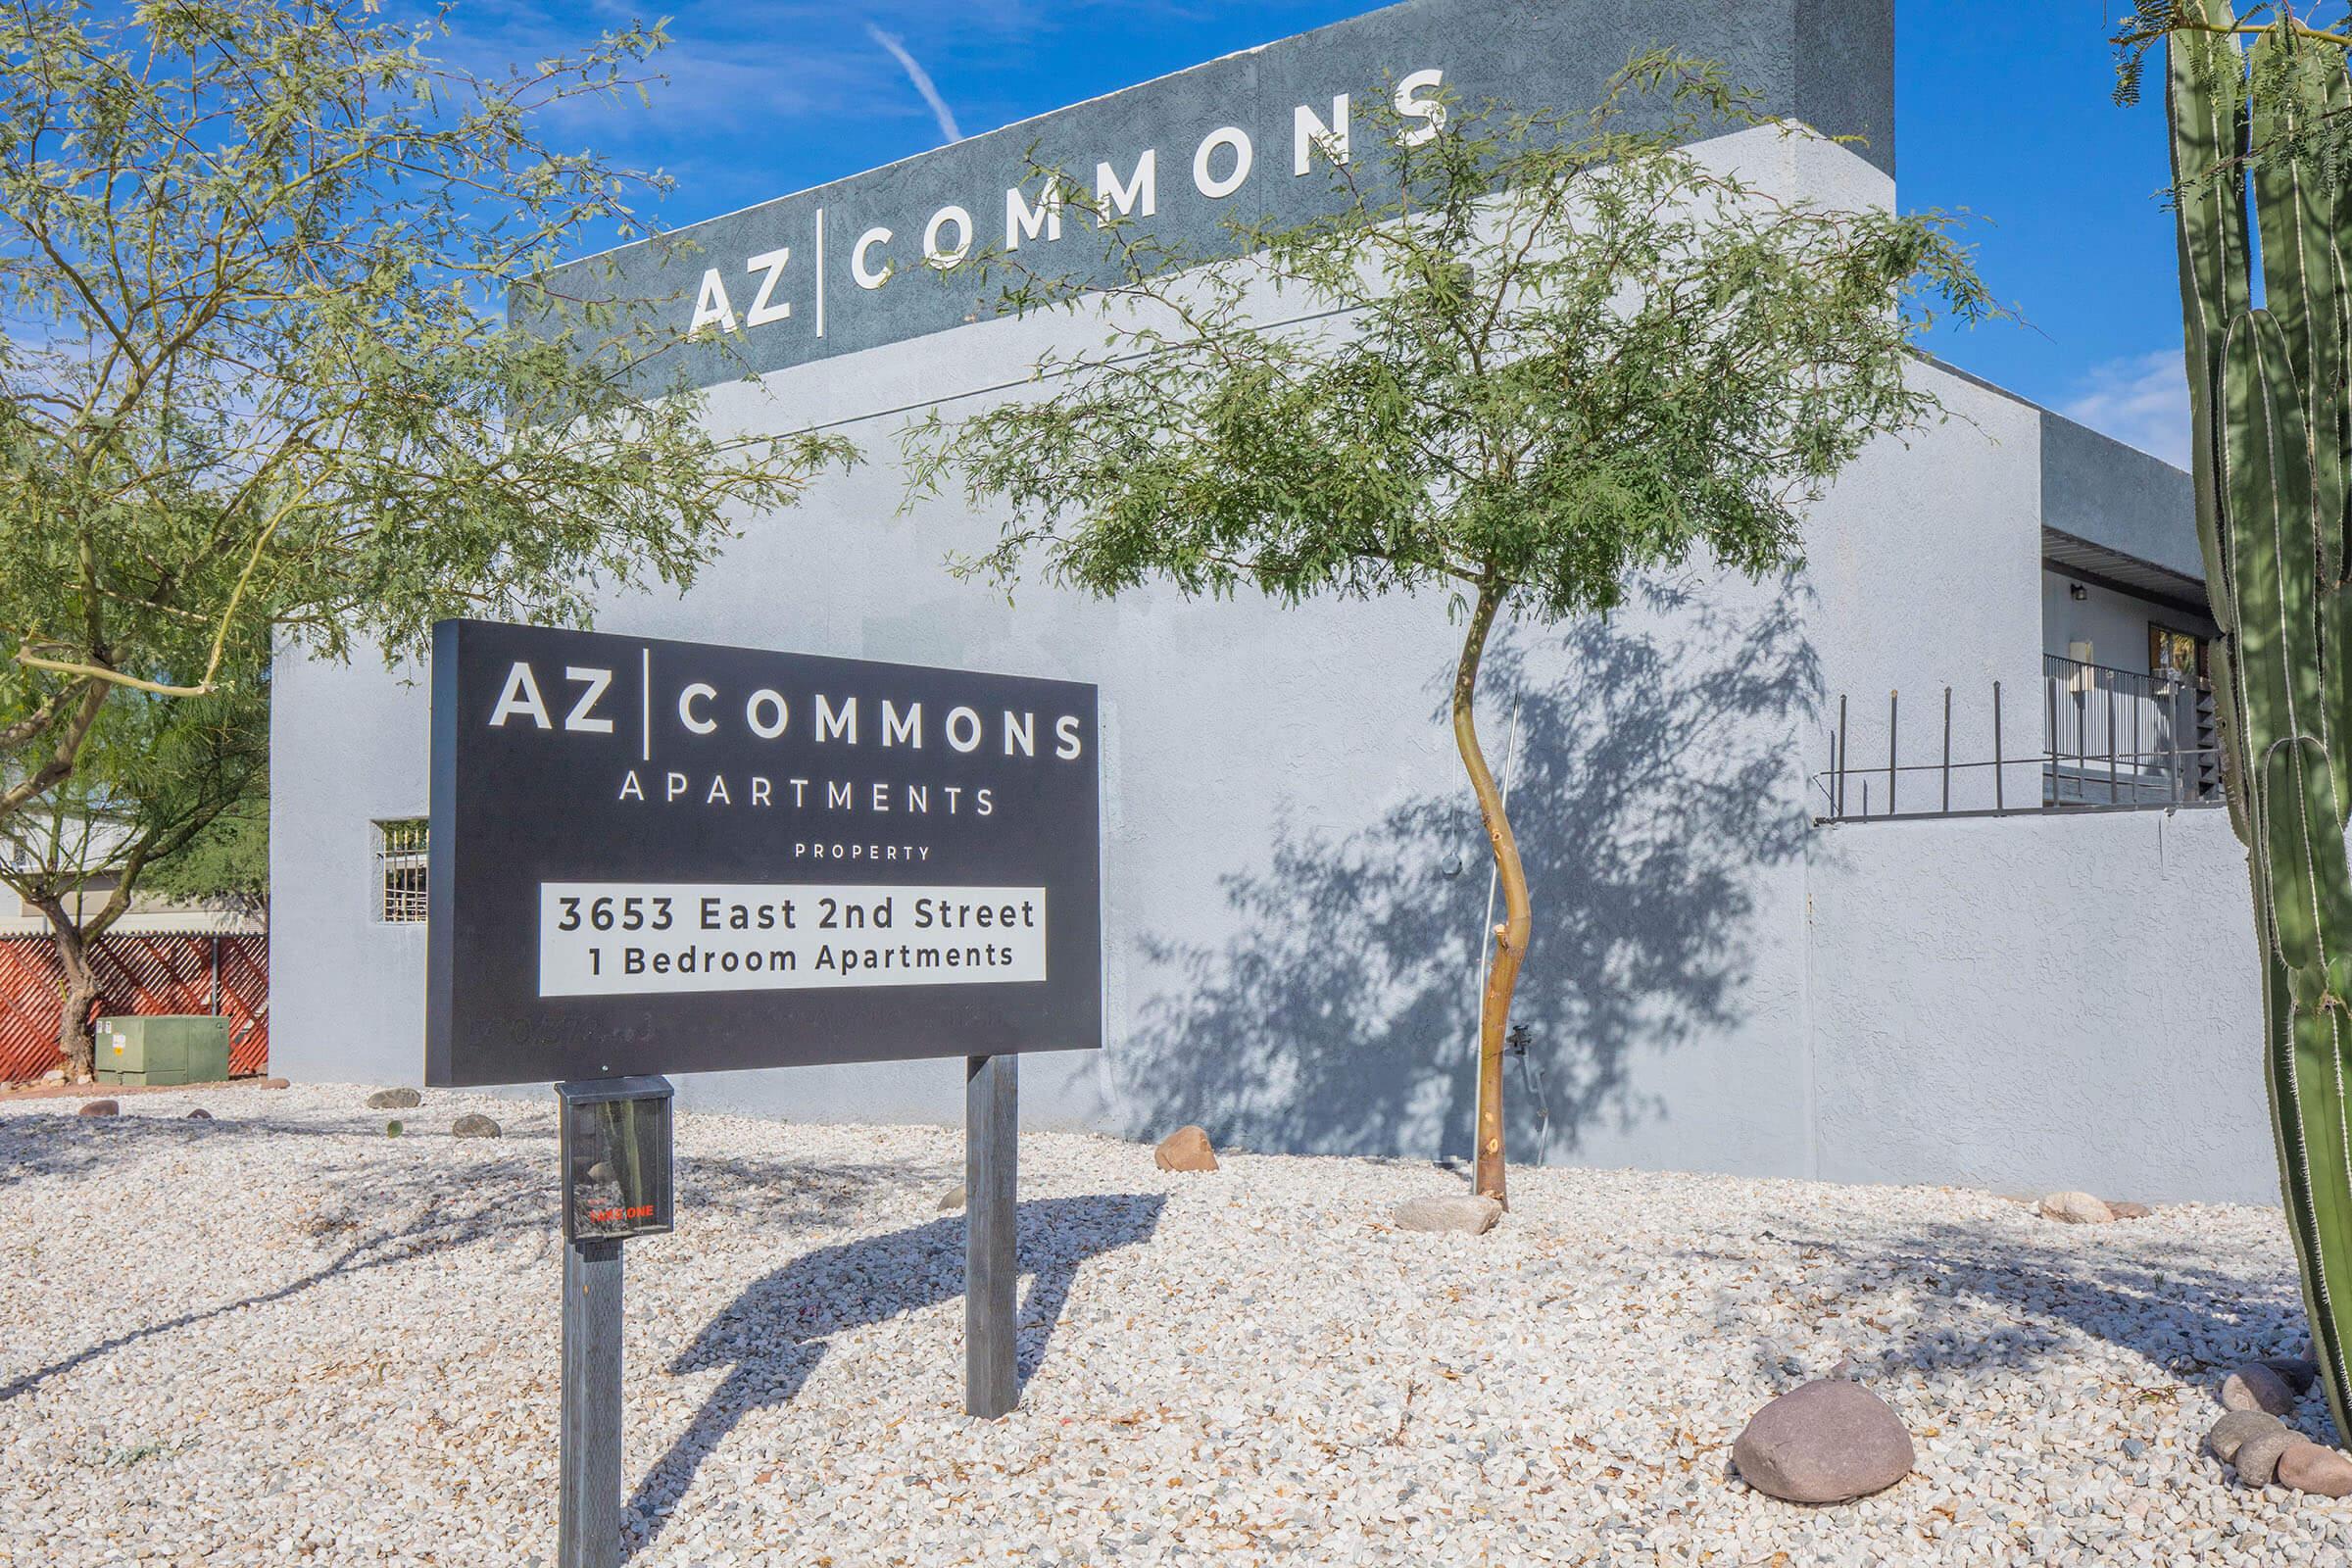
(2175,653)
(400,872)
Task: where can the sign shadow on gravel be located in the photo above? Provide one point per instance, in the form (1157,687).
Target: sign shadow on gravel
(373,1216)
(772,1337)
(376,1205)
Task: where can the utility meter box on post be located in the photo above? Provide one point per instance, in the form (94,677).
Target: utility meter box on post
(162,1049)
(615,1155)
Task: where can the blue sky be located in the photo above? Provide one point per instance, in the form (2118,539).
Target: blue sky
(2004,108)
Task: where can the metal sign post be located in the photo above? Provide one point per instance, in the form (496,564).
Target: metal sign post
(992,1125)
(614,1149)
(588,1429)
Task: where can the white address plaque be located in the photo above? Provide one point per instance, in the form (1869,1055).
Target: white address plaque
(600,939)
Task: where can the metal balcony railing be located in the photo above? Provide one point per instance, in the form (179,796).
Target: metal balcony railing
(2120,738)
(2110,738)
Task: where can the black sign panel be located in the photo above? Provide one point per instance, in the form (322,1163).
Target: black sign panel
(655,856)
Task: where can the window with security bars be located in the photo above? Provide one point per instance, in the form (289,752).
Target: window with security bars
(400,872)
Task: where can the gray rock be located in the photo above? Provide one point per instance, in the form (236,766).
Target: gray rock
(394,1100)
(1828,1442)
(2299,1372)
(2232,1430)
(951,1200)
(2258,1456)
(474,1124)
(2077,1209)
(1465,1216)
(2320,1471)
(2257,1388)
(99,1107)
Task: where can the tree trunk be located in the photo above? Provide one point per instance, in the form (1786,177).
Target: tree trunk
(73,1041)
(1510,937)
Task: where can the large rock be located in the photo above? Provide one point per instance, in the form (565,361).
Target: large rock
(1828,1442)
(394,1100)
(2131,1211)
(2323,1472)
(2235,1430)
(951,1200)
(2300,1372)
(99,1107)
(474,1124)
(1465,1214)
(2257,1388)
(2077,1209)
(1185,1148)
(2258,1456)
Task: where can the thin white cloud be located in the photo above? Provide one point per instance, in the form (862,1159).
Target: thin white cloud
(921,80)
(2142,401)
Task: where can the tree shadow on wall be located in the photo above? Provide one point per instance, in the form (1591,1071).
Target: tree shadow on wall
(1656,779)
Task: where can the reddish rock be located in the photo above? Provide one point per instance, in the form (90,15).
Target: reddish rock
(2323,1472)
(199,1114)
(1185,1148)
(2131,1211)
(99,1107)
(1828,1442)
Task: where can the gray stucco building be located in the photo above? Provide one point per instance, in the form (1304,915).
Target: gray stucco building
(2037,973)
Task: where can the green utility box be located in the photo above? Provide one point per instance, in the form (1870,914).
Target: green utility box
(162,1049)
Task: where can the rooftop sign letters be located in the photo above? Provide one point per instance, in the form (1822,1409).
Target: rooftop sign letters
(870,260)
(655,856)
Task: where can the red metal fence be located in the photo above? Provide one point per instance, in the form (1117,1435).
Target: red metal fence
(226,976)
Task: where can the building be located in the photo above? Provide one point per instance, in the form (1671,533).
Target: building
(1799,910)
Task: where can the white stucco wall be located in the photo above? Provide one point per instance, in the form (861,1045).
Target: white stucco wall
(2116,625)
(1927,576)
(2034,1002)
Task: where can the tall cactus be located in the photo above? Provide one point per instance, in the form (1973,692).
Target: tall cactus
(2272,448)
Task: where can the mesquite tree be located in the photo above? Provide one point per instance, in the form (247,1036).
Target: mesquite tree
(1517,362)
(257,375)
(2272,423)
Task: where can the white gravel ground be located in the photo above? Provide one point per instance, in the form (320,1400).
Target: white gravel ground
(281,1336)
